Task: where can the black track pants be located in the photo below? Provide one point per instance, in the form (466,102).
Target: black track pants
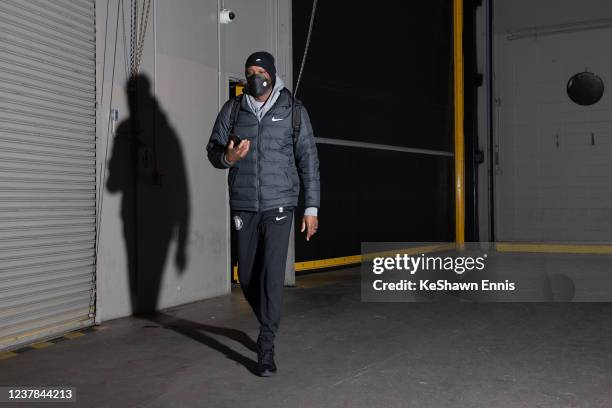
(262,239)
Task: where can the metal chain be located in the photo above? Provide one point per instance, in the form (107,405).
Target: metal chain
(142,32)
(312,16)
(133,16)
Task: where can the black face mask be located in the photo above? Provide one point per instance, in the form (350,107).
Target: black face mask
(258,84)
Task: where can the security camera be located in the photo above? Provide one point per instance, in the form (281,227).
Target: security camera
(226,16)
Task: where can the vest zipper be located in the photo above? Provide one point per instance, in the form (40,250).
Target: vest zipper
(257,187)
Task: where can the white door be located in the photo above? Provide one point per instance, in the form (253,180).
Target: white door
(554,176)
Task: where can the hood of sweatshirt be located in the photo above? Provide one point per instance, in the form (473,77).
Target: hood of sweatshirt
(252,103)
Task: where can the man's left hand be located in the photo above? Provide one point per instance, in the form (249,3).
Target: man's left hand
(310,223)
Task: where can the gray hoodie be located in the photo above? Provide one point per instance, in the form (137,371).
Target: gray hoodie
(260,108)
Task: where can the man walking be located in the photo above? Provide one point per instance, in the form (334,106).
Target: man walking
(266,140)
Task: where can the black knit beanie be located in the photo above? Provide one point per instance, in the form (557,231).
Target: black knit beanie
(262,59)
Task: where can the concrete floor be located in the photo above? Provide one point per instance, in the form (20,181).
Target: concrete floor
(335,351)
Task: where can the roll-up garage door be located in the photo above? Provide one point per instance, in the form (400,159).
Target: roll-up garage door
(47,168)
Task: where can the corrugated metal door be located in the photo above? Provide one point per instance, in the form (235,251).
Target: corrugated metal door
(47,168)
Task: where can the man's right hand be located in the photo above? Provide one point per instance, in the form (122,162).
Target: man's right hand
(235,153)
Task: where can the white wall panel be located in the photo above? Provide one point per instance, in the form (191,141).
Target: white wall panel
(552,182)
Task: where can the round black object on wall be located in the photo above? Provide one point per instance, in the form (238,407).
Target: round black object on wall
(585,88)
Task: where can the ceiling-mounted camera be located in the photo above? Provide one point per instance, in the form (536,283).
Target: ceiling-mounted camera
(226,16)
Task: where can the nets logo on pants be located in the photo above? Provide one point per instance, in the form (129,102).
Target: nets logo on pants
(238,223)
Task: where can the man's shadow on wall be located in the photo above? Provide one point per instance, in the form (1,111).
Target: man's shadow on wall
(147,167)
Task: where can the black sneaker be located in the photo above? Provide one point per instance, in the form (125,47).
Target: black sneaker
(265,363)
